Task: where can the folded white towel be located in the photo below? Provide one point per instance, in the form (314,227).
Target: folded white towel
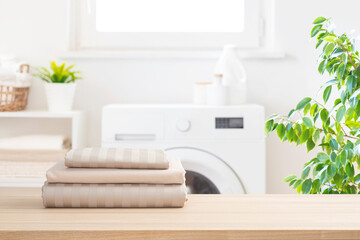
(49,142)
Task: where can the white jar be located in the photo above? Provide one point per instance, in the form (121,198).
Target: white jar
(200,92)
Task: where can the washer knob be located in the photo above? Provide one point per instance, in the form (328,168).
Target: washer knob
(183,125)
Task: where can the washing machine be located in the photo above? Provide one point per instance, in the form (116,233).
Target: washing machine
(222,148)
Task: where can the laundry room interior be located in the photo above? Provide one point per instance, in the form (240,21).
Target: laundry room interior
(165,77)
(198,81)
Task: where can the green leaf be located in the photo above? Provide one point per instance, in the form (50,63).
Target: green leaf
(322,66)
(329,49)
(316,136)
(341,158)
(315,30)
(338,180)
(349,170)
(302,103)
(305,136)
(291,113)
(268,126)
(324,115)
(340,113)
(316,185)
(281,131)
(357,178)
(310,145)
(290,135)
(297,183)
(327,93)
(297,129)
(289,178)
(331,170)
(330,39)
(308,122)
(323,176)
(314,109)
(319,20)
(305,172)
(307,108)
(340,137)
(341,70)
(306,186)
(323,157)
(333,144)
(355,94)
(352,124)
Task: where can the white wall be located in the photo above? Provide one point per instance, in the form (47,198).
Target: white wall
(36,31)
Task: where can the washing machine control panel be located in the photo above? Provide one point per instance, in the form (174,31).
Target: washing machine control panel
(229,123)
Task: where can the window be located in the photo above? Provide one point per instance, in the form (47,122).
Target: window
(164,24)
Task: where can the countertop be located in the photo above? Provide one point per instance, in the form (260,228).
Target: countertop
(22,216)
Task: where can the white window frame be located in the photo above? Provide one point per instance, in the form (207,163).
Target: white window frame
(85,37)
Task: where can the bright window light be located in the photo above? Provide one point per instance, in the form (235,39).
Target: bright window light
(170,16)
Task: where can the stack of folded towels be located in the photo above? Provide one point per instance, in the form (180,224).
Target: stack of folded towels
(115,177)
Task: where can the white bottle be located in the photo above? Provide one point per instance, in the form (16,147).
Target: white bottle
(233,75)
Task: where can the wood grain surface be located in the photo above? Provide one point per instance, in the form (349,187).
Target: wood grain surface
(22,216)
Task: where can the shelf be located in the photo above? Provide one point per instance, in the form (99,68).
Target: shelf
(78,122)
(40,114)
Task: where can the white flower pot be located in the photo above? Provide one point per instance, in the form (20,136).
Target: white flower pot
(60,96)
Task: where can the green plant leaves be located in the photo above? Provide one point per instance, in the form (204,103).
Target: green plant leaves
(289,178)
(281,131)
(57,74)
(310,144)
(349,170)
(333,144)
(308,122)
(338,132)
(268,125)
(315,30)
(329,49)
(302,103)
(305,172)
(327,93)
(306,186)
(319,20)
(340,113)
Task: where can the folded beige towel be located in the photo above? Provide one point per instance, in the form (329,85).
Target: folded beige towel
(116,158)
(113,195)
(61,174)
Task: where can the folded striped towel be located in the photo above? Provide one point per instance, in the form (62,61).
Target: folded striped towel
(113,195)
(175,174)
(116,158)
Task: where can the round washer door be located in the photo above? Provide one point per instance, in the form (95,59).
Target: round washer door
(207,172)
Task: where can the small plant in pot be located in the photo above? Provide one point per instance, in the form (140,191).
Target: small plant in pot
(332,128)
(59,83)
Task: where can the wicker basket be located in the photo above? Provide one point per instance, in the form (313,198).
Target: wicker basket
(13,98)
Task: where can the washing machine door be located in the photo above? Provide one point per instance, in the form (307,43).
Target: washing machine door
(207,173)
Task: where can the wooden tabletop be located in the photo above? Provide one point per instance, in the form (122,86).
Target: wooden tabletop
(22,216)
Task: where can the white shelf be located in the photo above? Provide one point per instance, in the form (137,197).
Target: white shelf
(78,122)
(40,114)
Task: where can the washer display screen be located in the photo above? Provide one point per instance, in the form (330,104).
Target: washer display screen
(229,122)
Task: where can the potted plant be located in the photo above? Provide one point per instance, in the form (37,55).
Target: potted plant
(333,127)
(59,83)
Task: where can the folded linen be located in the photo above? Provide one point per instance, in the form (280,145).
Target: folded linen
(116,158)
(175,174)
(35,142)
(113,195)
